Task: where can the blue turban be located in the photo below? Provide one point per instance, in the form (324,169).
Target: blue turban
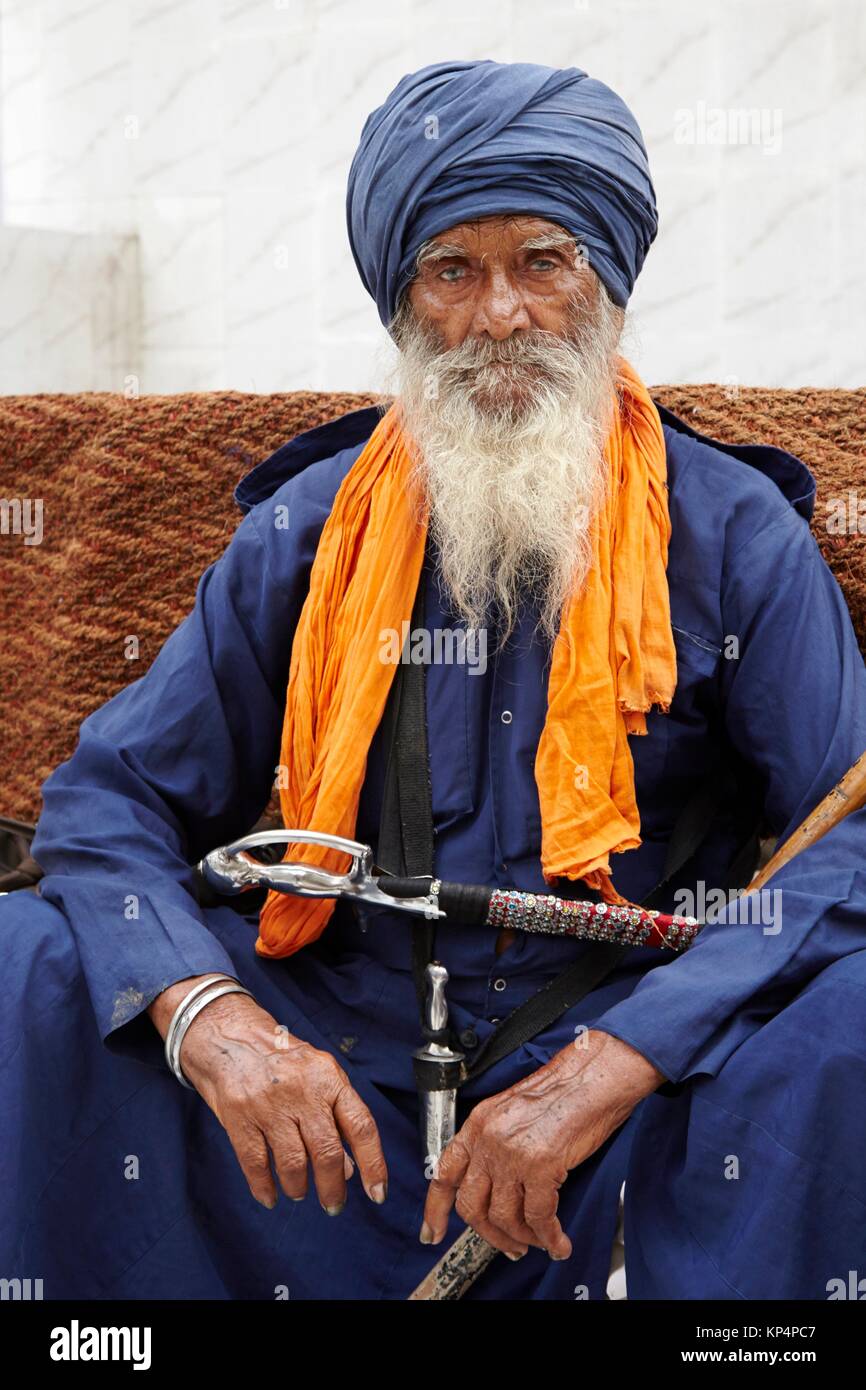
(458,141)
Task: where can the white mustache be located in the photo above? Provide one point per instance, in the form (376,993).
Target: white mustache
(519,348)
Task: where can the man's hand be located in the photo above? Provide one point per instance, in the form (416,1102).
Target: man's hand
(504,1169)
(272,1091)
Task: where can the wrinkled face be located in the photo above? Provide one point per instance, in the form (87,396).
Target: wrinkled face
(487,280)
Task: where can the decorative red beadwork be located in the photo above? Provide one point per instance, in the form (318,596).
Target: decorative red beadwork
(627,925)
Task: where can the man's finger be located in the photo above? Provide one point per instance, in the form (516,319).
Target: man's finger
(251,1151)
(327,1155)
(290,1157)
(505,1210)
(539,1209)
(358,1128)
(454,1160)
(450,1171)
(474,1205)
(473,1196)
(501,1240)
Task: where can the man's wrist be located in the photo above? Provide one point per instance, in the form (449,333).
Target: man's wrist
(161,1009)
(643,1075)
(612,1061)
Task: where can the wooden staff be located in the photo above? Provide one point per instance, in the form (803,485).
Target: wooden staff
(470,1254)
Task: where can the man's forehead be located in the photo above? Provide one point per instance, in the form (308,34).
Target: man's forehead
(507,229)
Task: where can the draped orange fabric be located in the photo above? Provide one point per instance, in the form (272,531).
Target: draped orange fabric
(613,659)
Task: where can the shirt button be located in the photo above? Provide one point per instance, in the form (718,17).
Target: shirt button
(494,1021)
(506,716)
(469,1037)
(499,985)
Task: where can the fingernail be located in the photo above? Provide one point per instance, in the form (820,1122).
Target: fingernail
(379,1191)
(334,1211)
(426,1236)
(514,1256)
(270,1205)
(556,1257)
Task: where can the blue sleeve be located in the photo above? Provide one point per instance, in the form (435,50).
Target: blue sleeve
(175,764)
(794,705)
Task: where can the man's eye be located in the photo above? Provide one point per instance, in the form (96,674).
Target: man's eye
(452,273)
(543,263)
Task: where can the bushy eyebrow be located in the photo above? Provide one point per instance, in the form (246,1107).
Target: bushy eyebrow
(549,241)
(432,252)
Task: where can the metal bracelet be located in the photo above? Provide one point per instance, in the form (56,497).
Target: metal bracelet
(181,1020)
(191,1013)
(187,999)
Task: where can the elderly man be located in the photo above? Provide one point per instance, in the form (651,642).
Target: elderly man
(664,634)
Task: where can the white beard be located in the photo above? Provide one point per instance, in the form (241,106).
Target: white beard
(512,478)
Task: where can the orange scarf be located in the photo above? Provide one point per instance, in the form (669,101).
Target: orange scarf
(613,659)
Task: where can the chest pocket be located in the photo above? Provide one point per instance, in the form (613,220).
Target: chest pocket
(698,665)
(673,740)
(694,708)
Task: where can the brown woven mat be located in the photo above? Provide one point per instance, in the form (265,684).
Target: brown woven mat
(137,503)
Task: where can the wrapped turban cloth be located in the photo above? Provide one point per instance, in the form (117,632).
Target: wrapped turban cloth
(458,141)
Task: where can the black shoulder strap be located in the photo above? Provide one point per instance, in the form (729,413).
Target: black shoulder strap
(405,847)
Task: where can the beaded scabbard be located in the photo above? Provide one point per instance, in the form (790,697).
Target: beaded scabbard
(625,926)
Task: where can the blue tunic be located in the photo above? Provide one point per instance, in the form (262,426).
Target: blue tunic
(745,1175)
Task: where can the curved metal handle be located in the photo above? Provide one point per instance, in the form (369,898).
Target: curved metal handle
(232,870)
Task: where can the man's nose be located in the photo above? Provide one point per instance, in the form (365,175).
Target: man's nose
(500,309)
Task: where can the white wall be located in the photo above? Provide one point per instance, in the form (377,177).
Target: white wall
(69,311)
(220,132)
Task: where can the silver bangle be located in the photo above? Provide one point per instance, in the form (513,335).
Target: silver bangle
(187,999)
(198,996)
(187,1019)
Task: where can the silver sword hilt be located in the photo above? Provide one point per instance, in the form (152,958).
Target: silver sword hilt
(232,869)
